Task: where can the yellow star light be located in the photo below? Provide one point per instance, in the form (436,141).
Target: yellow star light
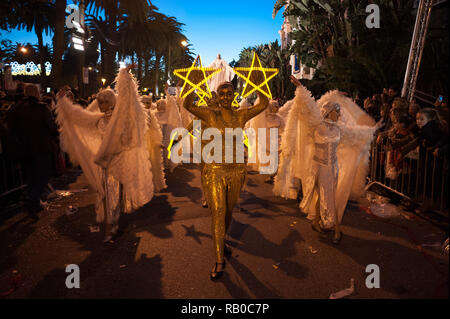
(201,95)
(196,79)
(256,77)
(235,102)
(169,148)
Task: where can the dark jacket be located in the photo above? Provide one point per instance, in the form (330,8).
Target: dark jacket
(430,136)
(33,127)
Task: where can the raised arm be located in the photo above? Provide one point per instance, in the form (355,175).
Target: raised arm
(203,113)
(251,112)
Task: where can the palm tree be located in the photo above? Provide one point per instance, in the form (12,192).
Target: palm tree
(134,11)
(332,35)
(58,43)
(32,15)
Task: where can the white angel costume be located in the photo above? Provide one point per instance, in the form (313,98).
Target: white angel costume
(283,113)
(329,158)
(110,148)
(169,118)
(186,116)
(154,140)
(267,119)
(226,75)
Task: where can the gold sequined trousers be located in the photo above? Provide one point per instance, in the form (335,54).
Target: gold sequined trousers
(222,184)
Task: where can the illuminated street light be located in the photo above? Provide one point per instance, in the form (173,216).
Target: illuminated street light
(90,68)
(23,50)
(184,43)
(103,81)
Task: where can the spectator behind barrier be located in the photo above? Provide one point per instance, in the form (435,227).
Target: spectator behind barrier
(32,125)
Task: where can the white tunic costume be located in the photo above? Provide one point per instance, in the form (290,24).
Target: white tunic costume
(169,118)
(328,158)
(111,149)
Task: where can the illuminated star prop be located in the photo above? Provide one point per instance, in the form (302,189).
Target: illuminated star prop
(196,79)
(169,148)
(235,102)
(256,78)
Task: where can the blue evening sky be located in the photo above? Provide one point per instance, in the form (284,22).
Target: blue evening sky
(212,27)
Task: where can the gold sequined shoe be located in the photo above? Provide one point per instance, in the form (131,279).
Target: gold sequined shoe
(215,275)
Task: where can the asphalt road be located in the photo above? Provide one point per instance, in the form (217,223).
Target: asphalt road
(165,250)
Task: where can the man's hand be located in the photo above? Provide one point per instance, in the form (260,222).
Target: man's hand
(213,101)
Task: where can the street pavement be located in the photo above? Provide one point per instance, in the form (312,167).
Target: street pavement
(166,251)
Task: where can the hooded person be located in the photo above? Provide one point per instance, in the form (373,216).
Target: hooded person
(108,141)
(326,146)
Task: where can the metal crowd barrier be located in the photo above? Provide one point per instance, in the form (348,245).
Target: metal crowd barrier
(423,177)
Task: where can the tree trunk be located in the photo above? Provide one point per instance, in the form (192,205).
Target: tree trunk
(146,59)
(157,64)
(139,67)
(41,56)
(110,51)
(58,43)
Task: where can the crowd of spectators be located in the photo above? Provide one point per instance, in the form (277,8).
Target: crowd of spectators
(29,140)
(411,130)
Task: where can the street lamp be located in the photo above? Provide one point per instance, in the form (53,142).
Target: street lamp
(23,50)
(184,43)
(103,81)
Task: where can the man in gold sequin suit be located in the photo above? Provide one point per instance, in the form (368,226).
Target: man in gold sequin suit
(222,181)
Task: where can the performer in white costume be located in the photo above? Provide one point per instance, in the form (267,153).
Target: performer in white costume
(109,144)
(326,146)
(186,116)
(169,118)
(266,120)
(226,75)
(154,139)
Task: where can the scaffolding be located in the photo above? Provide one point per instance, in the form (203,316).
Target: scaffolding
(416,50)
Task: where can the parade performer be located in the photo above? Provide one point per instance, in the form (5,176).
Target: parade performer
(221,181)
(154,140)
(226,75)
(169,118)
(186,117)
(326,146)
(266,120)
(110,147)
